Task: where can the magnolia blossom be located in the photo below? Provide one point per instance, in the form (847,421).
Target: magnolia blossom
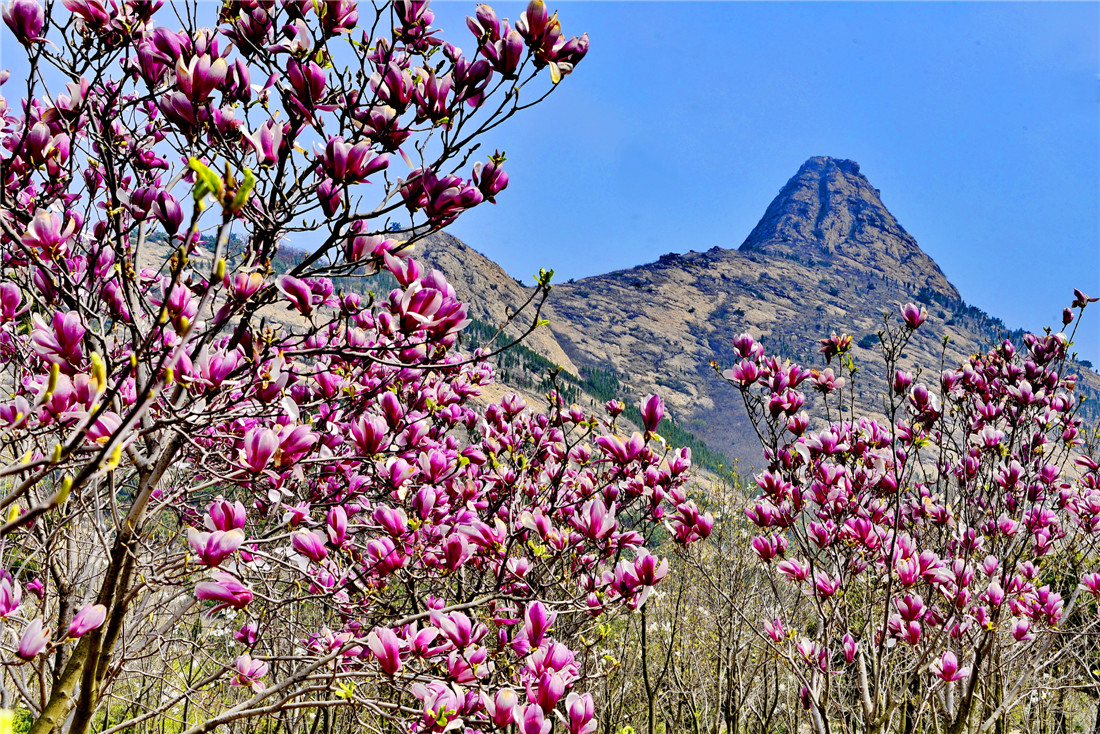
(213,548)
(34,640)
(26,19)
(11,595)
(318,480)
(87,619)
(947,668)
(249,672)
(226,591)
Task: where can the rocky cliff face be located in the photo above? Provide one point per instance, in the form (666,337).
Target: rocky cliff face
(829,213)
(826,257)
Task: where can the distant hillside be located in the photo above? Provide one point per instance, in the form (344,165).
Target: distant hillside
(826,257)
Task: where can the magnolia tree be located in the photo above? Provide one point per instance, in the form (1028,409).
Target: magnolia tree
(931,567)
(232,496)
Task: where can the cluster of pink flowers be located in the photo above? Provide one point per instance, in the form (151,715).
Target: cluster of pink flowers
(935,536)
(431,550)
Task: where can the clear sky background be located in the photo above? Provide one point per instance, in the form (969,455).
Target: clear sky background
(980,123)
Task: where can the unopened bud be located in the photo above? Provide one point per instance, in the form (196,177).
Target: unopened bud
(55,372)
(64,491)
(99,371)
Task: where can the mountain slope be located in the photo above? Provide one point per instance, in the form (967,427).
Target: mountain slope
(826,257)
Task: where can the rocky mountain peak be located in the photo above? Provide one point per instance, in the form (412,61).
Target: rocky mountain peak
(826,258)
(829,213)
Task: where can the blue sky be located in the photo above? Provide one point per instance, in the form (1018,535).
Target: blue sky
(980,123)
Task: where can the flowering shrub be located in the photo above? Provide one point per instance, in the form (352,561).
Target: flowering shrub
(232,493)
(942,557)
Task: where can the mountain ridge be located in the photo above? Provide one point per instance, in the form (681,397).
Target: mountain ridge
(826,257)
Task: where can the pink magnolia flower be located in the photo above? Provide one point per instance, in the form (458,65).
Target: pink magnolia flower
(532,721)
(1090,582)
(34,640)
(92,13)
(537,620)
(61,342)
(48,235)
(87,619)
(947,668)
(350,163)
(246,635)
(393,520)
(793,569)
(505,51)
(902,382)
(11,298)
(267,142)
(766,548)
(580,714)
(337,526)
(653,410)
(330,197)
(501,707)
(1021,631)
(226,590)
(308,82)
(199,78)
(490,178)
(825,586)
(441,198)
(649,569)
(851,647)
(484,24)
(11,595)
(549,690)
(223,515)
(244,285)
(249,672)
(386,646)
(25,18)
(296,514)
(297,292)
(913,315)
(1080,300)
(260,444)
(359,246)
(456,551)
(168,212)
(309,544)
(294,443)
(340,16)
(213,548)
(597,521)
